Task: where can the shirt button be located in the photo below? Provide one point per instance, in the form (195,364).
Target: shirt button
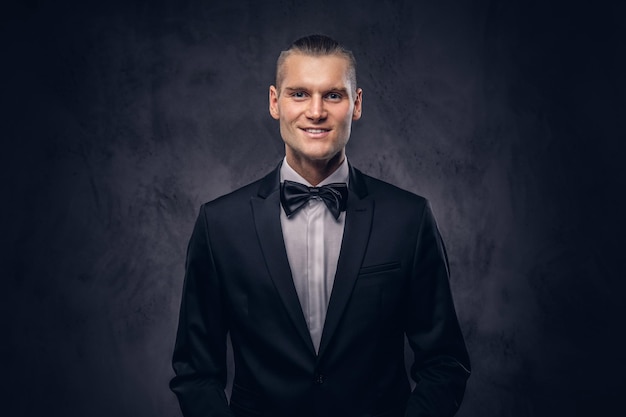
(319,379)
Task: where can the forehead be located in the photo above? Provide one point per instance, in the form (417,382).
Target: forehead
(327,71)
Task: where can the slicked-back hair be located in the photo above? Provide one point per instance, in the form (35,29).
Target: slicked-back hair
(316,45)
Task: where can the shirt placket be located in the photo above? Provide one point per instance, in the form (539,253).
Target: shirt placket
(316,263)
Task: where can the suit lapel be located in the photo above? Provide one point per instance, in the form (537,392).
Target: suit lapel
(354,243)
(266,211)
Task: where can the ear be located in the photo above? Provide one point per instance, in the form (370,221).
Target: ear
(274,103)
(358,105)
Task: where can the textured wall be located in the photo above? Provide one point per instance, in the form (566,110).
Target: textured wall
(119,120)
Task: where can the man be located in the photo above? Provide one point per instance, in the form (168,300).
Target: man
(318,282)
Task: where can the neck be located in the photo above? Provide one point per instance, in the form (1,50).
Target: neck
(315,171)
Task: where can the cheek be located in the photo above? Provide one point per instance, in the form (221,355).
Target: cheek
(346,121)
(288,112)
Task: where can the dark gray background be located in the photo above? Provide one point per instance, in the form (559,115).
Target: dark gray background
(119,119)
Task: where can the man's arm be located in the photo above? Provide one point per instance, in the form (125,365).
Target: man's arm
(441,365)
(199,359)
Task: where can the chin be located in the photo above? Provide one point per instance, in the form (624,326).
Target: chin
(314,152)
(320,156)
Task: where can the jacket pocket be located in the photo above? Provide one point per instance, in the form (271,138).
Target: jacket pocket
(394,412)
(245,402)
(378,268)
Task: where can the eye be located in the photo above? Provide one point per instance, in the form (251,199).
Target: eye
(333,96)
(298,94)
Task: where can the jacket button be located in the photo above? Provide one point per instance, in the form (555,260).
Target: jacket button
(319,379)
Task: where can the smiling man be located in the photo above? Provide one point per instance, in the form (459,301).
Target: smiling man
(315,99)
(319,272)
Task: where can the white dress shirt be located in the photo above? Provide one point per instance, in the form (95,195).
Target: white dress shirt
(313,239)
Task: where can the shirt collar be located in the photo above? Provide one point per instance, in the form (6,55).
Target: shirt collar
(341,174)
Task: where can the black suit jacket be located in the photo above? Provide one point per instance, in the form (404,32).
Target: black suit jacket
(391,280)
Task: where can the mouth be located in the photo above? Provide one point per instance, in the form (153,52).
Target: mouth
(315,133)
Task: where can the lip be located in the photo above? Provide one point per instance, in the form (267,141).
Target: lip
(315,132)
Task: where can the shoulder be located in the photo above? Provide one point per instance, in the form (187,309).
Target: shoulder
(399,206)
(237,202)
(234,199)
(382,192)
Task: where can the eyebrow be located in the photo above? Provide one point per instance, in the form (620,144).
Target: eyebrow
(337,89)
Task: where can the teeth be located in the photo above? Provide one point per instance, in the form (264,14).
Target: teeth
(315,130)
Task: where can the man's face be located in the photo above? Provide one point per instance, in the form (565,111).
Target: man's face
(316,105)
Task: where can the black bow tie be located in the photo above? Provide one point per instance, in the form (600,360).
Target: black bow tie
(294,195)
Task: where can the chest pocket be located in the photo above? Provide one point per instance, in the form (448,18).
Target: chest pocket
(384,270)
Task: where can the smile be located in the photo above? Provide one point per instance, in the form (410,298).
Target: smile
(316,131)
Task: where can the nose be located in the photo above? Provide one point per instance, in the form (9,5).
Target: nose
(315,110)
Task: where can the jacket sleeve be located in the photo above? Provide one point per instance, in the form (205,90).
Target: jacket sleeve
(441,366)
(199,359)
